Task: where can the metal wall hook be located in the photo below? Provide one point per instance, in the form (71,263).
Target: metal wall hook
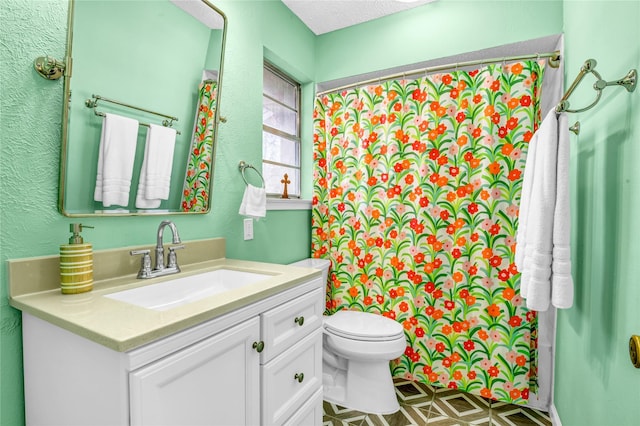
(575,128)
(49,67)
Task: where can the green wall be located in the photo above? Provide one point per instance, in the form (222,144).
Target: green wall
(595,382)
(30,127)
(436,30)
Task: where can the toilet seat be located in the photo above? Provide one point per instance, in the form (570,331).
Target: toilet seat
(363,326)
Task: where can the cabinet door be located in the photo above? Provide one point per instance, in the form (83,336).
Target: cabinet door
(213,382)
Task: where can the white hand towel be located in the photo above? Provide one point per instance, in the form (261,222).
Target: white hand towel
(115,160)
(155,175)
(537,244)
(561,280)
(254,202)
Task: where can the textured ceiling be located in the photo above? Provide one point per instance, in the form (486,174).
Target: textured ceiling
(201,12)
(323,16)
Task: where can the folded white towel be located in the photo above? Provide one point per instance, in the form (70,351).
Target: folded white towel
(543,231)
(561,279)
(155,175)
(254,202)
(115,160)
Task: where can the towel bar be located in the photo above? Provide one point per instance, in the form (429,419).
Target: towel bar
(242,166)
(93,103)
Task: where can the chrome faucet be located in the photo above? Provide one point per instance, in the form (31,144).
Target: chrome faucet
(160,247)
(160,268)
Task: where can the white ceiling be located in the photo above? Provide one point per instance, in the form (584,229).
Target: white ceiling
(323,16)
(202,12)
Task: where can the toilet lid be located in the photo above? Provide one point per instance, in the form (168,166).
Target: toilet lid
(363,326)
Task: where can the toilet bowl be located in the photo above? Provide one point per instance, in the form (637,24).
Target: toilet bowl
(356,350)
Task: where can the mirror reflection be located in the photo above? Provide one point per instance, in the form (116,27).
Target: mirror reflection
(141,106)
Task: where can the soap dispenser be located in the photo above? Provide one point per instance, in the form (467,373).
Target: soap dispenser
(76,262)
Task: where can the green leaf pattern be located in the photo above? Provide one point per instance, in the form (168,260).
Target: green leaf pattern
(416,193)
(195,194)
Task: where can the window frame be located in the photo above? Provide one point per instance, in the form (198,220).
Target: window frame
(297,138)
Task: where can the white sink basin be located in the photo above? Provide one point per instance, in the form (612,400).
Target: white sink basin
(180,291)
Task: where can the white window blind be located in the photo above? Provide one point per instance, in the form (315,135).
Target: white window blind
(280,132)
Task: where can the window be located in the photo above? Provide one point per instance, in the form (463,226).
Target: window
(280,132)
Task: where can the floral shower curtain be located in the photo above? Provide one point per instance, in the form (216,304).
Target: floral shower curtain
(195,194)
(416,194)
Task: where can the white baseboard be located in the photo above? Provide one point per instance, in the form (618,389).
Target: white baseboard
(555,418)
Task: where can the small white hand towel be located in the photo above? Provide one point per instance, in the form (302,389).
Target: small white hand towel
(115,160)
(254,202)
(535,284)
(561,279)
(155,175)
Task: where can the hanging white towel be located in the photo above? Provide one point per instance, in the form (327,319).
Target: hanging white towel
(155,175)
(561,279)
(254,202)
(115,160)
(543,232)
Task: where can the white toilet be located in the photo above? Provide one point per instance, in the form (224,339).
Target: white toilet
(357,348)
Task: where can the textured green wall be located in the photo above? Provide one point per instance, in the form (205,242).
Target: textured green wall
(595,383)
(436,30)
(593,368)
(30,123)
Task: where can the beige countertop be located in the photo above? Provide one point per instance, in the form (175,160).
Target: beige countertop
(122,326)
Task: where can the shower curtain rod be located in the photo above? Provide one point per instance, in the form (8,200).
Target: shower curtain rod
(554,61)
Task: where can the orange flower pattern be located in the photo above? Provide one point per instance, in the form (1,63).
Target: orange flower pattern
(195,194)
(416,192)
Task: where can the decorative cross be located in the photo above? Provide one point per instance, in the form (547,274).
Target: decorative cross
(285,181)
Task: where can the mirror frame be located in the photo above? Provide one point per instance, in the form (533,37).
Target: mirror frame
(66,104)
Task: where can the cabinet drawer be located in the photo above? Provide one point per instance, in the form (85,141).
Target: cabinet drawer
(310,414)
(288,323)
(284,390)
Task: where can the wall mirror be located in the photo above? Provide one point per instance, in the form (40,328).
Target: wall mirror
(157,62)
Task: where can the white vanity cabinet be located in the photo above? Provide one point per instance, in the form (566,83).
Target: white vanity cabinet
(222,368)
(259,364)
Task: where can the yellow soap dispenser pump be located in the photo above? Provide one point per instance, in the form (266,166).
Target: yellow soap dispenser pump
(76,262)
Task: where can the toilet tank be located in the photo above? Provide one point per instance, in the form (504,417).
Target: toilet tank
(322,264)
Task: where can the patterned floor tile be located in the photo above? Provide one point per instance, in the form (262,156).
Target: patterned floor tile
(512,415)
(414,393)
(444,421)
(407,416)
(328,421)
(420,405)
(337,413)
(461,406)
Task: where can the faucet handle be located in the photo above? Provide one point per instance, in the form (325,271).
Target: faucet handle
(145,263)
(172,258)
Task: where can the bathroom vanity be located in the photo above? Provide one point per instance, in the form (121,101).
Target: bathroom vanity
(246,356)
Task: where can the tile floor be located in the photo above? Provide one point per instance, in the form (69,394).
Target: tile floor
(421,404)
